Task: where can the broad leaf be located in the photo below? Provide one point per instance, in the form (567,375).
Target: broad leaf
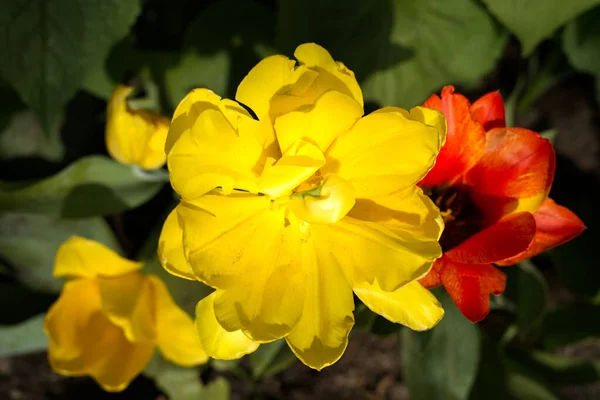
(90,186)
(571,323)
(52,44)
(523,383)
(28,244)
(23,338)
(400,50)
(444,365)
(271,358)
(528,289)
(178,382)
(532,21)
(581,44)
(25,137)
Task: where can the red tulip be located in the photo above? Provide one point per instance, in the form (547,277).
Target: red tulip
(491,184)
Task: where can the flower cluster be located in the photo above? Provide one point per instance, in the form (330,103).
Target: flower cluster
(292,202)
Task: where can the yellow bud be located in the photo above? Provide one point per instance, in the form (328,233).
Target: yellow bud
(325,204)
(135,137)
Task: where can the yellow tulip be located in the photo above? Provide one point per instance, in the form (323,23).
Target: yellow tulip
(134,137)
(110,318)
(288,215)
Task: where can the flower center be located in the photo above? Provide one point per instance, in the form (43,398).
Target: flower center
(462,218)
(323,200)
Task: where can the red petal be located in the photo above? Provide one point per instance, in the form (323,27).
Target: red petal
(470,286)
(432,279)
(489,111)
(555,225)
(465,139)
(506,238)
(517,163)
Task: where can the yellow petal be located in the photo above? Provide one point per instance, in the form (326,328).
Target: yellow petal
(66,324)
(134,136)
(429,117)
(270,76)
(267,300)
(367,251)
(83,341)
(240,243)
(321,336)
(85,258)
(408,213)
(320,123)
(154,151)
(298,164)
(218,146)
(127,301)
(334,75)
(170,248)
(216,341)
(224,235)
(117,360)
(412,305)
(334,200)
(175,332)
(384,152)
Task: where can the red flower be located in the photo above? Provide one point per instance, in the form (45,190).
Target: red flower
(491,184)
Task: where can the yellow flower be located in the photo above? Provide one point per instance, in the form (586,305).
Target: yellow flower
(288,215)
(134,137)
(108,320)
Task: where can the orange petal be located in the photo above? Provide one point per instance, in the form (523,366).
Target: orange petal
(489,111)
(517,164)
(433,277)
(555,225)
(470,286)
(504,239)
(465,139)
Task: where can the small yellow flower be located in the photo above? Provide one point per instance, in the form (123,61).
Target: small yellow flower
(288,215)
(134,137)
(110,317)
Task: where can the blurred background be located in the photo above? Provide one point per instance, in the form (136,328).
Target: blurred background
(61,59)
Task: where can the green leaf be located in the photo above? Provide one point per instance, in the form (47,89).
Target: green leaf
(197,71)
(220,47)
(178,382)
(271,358)
(532,21)
(444,365)
(25,137)
(31,302)
(581,44)
(581,41)
(526,384)
(217,390)
(52,45)
(571,323)
(528,289)
(28,244)
(559,371)
(23,338)
(90,186)
(101,78)
(491,380)
(401,51)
